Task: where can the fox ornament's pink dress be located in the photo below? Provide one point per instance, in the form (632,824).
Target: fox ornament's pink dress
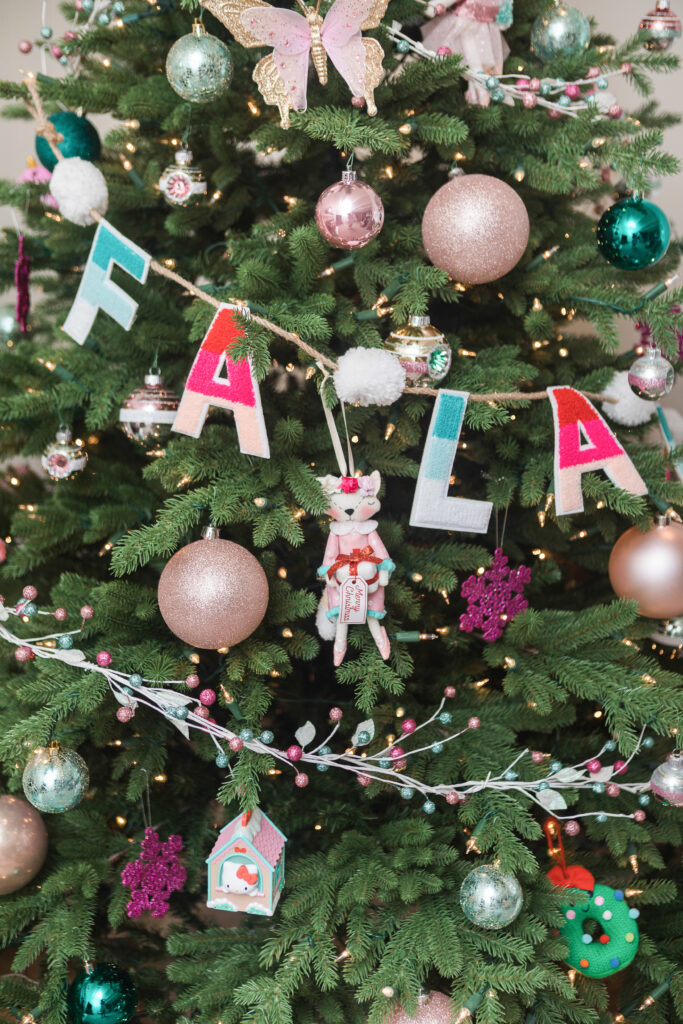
(474,29)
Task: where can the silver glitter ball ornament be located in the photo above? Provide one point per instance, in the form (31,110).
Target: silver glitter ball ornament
(147,415)
(182,184)
(63,458)
(666,781)
(199,66)
(563,31)
(652,375)
(422,351)
(55,779)
(490,898)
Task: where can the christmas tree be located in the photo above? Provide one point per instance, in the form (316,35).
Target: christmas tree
(378,573)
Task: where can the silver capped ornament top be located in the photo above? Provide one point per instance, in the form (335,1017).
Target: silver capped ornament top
(666,781)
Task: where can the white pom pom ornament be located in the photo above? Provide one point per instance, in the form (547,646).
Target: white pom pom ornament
(369,376)
(79,188)
(630,410)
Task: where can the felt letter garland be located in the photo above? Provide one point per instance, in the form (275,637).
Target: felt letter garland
(432,507)
(236,390)
(97,290)
(583,444)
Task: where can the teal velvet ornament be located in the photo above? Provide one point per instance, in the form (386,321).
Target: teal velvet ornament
(563,31)
(199,66)
(633,234)
(102,994)
(80,139)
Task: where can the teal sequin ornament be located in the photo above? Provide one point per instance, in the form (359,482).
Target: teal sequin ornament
(80,139)
(103,994)
(199,66)
(55,779)
(633,234)
(490,898)
(563,31)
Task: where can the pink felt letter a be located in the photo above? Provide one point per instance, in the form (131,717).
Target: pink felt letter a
(237,390)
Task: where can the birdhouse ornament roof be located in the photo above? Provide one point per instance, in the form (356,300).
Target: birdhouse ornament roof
(255,828)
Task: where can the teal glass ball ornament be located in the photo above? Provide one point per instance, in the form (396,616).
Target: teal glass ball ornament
(80,139)
(490,898)
(633,234)
(199,66)
(101,994)
(562,31)
(55,779)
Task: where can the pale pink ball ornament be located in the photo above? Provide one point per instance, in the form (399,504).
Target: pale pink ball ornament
(25,46)
(449,691)
(192,680)
(60,614)
(612,789)
(336,714)
(202,712)
(648,567)
(530,100)
(349,214)
(301,780)
(534,84)
(23,843)
(235,743)
(476,228)
(572,828)
(433,1008)
(213,593)
(473,723)
(125,713)
(452,798)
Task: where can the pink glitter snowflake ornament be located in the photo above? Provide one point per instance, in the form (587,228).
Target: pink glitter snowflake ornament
(494,598)
(154,875)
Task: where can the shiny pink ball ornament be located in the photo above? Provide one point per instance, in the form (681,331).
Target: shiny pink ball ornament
(60,614)
(593,766)
(358,102)
(452,798)
(476,228)
(23,654)
(522,83)
(301,780)
(87,611)
(349,214)
(534,84)
(103,659)
(192,680)
(449,691)
(336,714)
(530,100)
(537,756)
(573,91)
(208,697)
(620,767)
(30,593)
(408,725)
(572,828)
(25,46)
(473,722)
(294,753)
(612,789)
(364,780)
(639,815)
(125,713)
(235,743)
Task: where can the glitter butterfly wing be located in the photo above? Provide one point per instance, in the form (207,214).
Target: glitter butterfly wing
(358,60)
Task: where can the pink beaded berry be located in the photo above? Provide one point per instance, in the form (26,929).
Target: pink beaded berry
(87,611)
(396,752)
(60,614)
(294,753)
(537,756)
(555,114)
(639,815)
(612,789)
(615,111)
(444,51)
(534,84)
(192,680)
(449,691)
(30,593)
(125,713)
(408,725)
(593,766)
(530,100)
(70,35)
(593,72)
(364,780)
(336,714)
(572,828)
(573,91)
(202,712)
(620,767)
(235,743)
(452,798)
(301,780)
(522,84)
(208,697)
(473,722)
(103,659)
(626,68)
(23,653)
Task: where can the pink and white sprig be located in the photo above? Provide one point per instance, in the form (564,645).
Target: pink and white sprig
(387,766)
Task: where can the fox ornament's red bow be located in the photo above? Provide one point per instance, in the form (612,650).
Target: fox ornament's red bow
(353,560)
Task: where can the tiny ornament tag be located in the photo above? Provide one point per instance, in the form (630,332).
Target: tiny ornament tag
(353,601)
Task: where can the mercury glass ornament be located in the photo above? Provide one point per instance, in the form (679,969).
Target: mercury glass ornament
(102,994)
(148,413)
(563,31)
(648,568)
(181,184)
(199,66)
(23,843)
(652,375)
(666,781)
(422,351)
(633,234)
(55,779)
(64,458)
(349,214)
(662,27)
(490,898)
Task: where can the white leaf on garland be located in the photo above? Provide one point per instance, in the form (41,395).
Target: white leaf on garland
(367,727)
(171,697)
(4,613)
(604,775)
(567,775)
(552,800)
(72,657)
(305,734)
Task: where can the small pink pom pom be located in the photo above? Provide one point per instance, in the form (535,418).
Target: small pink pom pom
(358,102)
(612,789)
(593,766)
(615,111)
(573,91)
(620,767)
(87,611)
(103,659)
(125,713)
(24,654)
(452,798)
(30,593)
(192,680)
(444,51)
(639,815)
(555,114)
(364,780)
(449,691)
(530,100)
(522,83)
(593,72)
(235,744)
(301,780)
(626,68)
(534,84)
(473,723)
(294,753)
(202,712)
(572,828)
(537,756)
(336,714)
(408,725)
(208,697)
(60,614)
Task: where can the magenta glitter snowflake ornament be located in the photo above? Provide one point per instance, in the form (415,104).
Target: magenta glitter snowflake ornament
(154,875)
(494,598)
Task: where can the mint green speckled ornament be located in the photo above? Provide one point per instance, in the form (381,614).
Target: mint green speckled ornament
(490,898)
(563,31)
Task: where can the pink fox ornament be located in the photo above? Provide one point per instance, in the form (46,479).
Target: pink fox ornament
(357,567)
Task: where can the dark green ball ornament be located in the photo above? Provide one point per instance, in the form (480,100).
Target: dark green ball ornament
(80,139)
(633,234)
(103,994)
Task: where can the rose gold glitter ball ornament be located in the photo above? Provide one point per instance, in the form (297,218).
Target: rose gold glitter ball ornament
(648,567)
(476,228)
(213,593)
(433,1008)
(23,843)
(349,213)
(147,415)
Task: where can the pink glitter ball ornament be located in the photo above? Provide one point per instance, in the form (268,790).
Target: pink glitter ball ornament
(612,789)
(125,713)
(154,875)
(365,780)
(639,815)
(23,653)
(537,756)
(87,611)
(208,697)
(522,83)
(452,798)
(620,767)
(494,598)
(473,723)
(235,743)
(103,659)
(408,725)
(572,828)
(301,780)
(444,51)
(449,691)
(593,766)
(294,753)
(530,100)
(30,593)
(573,91)
(60,614)
(336,714)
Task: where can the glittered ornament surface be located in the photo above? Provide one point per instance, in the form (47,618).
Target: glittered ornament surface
(55,779)
(652,375)
(494,598)
(648,568)
(213,593)
(662,27)
(80,139)
(147,415)
(199,66)
(476,228)
(23,843)
(103,994)
(562,31)
(349,214)
(633,234)
(154,875)
(666,781)
(422,350)
(433,1008)
(489,898)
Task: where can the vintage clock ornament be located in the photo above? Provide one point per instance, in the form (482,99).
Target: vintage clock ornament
(64,458)
(181,184)
(147,415)
(422,351)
